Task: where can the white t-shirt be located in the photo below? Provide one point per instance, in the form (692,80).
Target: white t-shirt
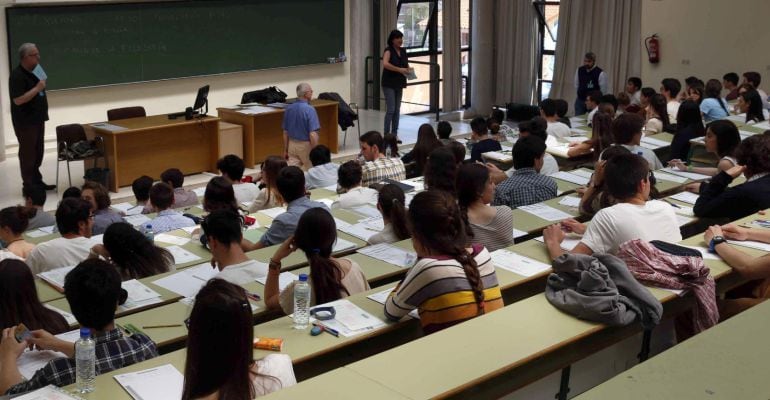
(648,155)
(673,108)
(243,273)
(273,373)
(558,129)
(636,97)
(58,253)
(613,226)
(550,166)
(355,197)
(245,192)
(590,117)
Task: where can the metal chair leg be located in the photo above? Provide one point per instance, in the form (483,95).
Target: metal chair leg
(57,174)
(69,174)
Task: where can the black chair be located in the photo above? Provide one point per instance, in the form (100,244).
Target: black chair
(66,136)
(125,113)
(345,115)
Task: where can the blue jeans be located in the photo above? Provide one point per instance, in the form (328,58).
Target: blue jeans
(580,107)
(392,108)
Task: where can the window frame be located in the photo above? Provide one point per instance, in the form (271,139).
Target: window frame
(543,29)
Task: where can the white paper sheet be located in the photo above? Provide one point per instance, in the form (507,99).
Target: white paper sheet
(497,156)
(570,201)
(566,176)
(256,110)
(128,208)
(350,319)
(517,263)
(682,220)
(273,212)
(359,230)
(56,276)
(200,191)
(390,254)
(137,219)
(181,256)
(36,233)
(171,239)
(518,233)
(332,188)
(568,244)
(342,245)
(669,177)
(382,297)
(137,291)
(751,244)
(685,197)
(688,175)
(707,255)
(545,212)
(367,211)
(188,282)
(284,279)
(652,143)
(582,172)
(109,127)
(327,202)
(32,360)
(67,316)
(373,223)
(160,383)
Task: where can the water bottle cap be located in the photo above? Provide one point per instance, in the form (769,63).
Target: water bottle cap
(303,277)
(85,332)
(148,226)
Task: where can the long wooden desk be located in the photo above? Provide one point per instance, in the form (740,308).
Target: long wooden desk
(263,133)
(150,145)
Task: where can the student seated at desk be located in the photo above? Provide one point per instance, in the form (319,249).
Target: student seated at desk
(601,138)
(352,194)
(377,166)
(555,128)
(182,198)
(13,223)
(93,292)
(458,150)
(232,167)
(34,196)
(593,98)
(595,195)
(490,226)
(130,251)
(426,143)
(219,195)
(441,170)
(162,198)
(99,198)
(498,116)
(713,105)
(534,127)
(224,235)
(330,278)
(689,125)
(222,315)
(526,186)
(444,129)
(74,192)
(657,120)
(750,103)
(627,132)
(141,188)
(634,217)
(722,138)
(19,302)
(291,185)
(717,200)
(391,202)
(324,171)
(482,141)
(748,267)
(669,89)
(450,283)
(268,196)
(562,107)
(74,220)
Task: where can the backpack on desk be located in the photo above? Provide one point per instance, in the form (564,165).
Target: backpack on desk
(264,96)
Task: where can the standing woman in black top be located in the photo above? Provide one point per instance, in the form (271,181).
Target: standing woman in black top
(395,66)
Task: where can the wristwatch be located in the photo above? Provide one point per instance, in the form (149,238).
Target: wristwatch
(274,265)
(714,242)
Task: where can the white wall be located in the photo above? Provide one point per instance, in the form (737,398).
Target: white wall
(706,38)
(91,105)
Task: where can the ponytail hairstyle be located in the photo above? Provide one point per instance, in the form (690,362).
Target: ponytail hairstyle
(471,182)
(17,218)
(392,202)
(437,224)
(270,169)
(315,235)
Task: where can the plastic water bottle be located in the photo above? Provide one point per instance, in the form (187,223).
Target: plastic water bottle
(301,303)
(387,152)
(85,362)
(149,233)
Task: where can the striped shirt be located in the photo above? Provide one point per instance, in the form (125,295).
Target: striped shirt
(498,233)
(376,171)
(442,294)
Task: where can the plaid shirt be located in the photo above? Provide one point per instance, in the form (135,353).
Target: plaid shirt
(376,171)
(113,351)
(524,187)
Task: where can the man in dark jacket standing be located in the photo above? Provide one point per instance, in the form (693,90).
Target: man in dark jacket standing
(588,77)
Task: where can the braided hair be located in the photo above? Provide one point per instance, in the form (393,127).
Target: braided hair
(438,225)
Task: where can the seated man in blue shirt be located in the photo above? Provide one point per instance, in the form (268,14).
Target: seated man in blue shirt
(162,199)
(300,129)
(526,186)
(93,292)
(291,186)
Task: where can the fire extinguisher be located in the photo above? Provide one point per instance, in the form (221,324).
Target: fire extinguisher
(652,44)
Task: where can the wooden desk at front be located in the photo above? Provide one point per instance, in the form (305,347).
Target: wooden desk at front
(150,145)
(263,133)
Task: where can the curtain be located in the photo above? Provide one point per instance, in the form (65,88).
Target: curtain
(515,51)
(609,28)
(450,58)
(360,48)
(388,17)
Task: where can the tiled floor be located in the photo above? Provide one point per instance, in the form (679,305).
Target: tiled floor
(10,191)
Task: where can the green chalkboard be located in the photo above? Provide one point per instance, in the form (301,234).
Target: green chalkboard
(103,44)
